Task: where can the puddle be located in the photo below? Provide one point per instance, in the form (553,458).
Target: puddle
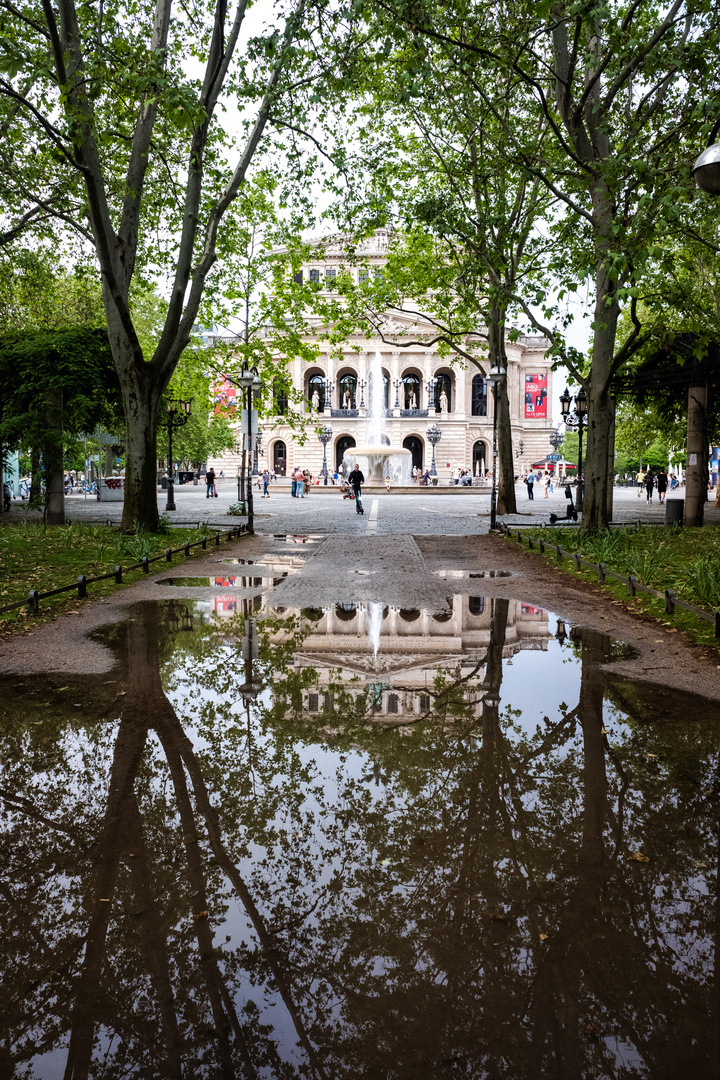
(300,538)
(460,574)
(357,840)
(221,582)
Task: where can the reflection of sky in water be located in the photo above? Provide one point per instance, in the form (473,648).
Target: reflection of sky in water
(535,682)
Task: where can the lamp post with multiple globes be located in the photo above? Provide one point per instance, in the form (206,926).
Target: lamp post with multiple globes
(495,375)
(178,414)
(576,419)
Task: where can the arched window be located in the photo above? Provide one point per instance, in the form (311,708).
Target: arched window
(415,446)
(411,397)
(476,605)
(479,396)
(280,396)
(316,383)
(479,466)
(348,390)
(279,458)
(345,612)
(341,447)
(443,383)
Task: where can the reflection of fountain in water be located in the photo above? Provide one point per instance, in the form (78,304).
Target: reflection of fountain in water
(375,618)
(381,459)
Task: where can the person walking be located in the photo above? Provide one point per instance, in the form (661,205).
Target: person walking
(530,485)
(266,484)
(545,483)
(649,484)
(210,484)
(640,482)
(297,483)
(355,480)
(662,484)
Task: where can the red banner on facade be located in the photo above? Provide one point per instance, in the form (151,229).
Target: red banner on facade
(536,397)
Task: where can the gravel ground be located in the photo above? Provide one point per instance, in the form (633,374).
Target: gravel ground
(396,569)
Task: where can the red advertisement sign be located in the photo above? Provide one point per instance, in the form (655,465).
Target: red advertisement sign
(536,397)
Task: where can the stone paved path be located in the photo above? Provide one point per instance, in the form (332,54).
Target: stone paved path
(324,511)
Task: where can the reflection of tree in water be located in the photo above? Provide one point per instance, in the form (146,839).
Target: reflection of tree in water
(476,912)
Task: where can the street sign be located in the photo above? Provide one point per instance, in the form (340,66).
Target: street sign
(244,422)
(554,457)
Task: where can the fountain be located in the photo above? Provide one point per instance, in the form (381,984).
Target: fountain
(382,459)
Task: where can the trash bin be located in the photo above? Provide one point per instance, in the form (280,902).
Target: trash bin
(674,509)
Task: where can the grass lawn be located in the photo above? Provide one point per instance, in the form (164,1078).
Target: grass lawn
(664,557)
(33,556)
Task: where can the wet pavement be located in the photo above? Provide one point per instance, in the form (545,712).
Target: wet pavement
(361,808)
(324,510)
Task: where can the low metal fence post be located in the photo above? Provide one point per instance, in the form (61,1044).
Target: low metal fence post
(717,623)
(530,543)
(217,539)
(578,562)
(558,553)
(82,587)
(601,573)
(34,602)
(542,546)
(118,575)
(168,554)
(670,601)
(145,564)
(631,583)
(187,549)
(203,545)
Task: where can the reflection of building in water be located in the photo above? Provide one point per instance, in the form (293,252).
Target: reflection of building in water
(412,647)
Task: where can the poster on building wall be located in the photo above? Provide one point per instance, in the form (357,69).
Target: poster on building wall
(536,397)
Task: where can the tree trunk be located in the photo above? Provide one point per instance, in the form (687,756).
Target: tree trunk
(600,406)
(34,498)
(141,397)
(506,464)
(54,464)
(696,468)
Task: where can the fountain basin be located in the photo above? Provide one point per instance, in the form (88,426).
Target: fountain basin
(379,460)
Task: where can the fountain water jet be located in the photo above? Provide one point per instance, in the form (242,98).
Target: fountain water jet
(378,454)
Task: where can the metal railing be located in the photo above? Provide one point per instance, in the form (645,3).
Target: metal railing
(32,600)
(634,586)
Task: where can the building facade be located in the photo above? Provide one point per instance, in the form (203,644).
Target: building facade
(420,389)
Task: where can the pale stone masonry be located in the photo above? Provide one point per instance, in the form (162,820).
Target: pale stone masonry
(421,388)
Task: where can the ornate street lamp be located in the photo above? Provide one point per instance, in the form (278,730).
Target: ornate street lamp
(576,419)
(362,384)
(397,384)
(496,374)
(250,382)
(325,436)
(434,434)
(706,170)
(256,451)
(430,390)
(251,687)
(178,414)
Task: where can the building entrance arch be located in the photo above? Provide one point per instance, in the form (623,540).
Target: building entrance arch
(479,461)
(346,442)
(416,448)
(279,458)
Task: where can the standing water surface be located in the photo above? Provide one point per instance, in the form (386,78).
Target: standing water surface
(357,842)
